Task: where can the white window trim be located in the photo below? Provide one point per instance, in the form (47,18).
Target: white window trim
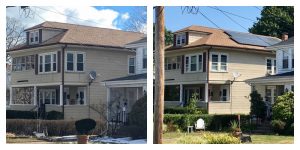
(273,71)
(128,60)
(74,60)
(179,37)
(219,62)
(34,33)
(197,63)
(43,55)
(48,90)
(227,93)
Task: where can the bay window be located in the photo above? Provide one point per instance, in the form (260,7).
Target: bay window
(194,63)
(47,62)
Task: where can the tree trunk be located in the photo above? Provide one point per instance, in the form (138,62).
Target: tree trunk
(159,74)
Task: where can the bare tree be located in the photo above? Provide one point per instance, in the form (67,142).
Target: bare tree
(14,34)
(137,22)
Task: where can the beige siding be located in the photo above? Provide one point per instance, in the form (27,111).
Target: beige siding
(195,36)
(107,63)
(47,34)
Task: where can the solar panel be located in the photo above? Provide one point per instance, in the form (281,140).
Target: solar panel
(251,39)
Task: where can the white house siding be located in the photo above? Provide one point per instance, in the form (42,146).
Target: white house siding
(47,34)
(139,61)
(279,58)
(195,36)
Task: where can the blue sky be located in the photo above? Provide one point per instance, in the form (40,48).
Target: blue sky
(99,16)
(175,20)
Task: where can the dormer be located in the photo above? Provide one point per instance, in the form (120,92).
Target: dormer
(34,36)
(188,37)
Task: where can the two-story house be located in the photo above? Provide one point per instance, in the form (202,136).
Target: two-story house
(61,66)
(275,85)
(214,64)
(123,92)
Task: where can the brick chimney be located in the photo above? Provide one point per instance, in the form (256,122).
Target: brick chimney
(284,36)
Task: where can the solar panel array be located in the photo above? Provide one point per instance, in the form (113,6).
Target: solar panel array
(252,39)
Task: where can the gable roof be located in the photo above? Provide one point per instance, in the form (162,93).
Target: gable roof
(85,35)
(217,37)
(143,40)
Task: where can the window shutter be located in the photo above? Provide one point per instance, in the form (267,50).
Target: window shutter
(36,64)
(58,61)
(40,35)
(27,38)
(204,62)
(182,64)
(187,38)
(57,95)
(174,40)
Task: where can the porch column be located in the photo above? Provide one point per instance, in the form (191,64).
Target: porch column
(137,93)
(10,96)
(206,92)
(181,93)
(61,95)
(34,95)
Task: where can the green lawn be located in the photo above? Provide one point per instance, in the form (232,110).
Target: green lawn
(175,138)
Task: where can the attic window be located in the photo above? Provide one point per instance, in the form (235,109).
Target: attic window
(180,39)
(34,37)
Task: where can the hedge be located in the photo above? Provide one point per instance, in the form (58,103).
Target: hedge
(212,122)
(15,114)
(182,110)
(54,127)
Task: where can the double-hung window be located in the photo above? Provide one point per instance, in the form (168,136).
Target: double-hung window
(285,60)
(75,61)
(180,39)
(47,62)
(194,63)
(144,58)
(131,65)
(172,63)
(34,37)
(271,65)
(219,62)
(23,63)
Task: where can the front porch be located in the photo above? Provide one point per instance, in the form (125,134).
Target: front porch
(179,94)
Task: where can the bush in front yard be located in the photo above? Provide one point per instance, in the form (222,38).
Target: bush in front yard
(182,110)
(209,138)
(283,113)
(258,107)
(53,127)
(212,122)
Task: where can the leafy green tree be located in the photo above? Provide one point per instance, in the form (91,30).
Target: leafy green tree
(168,36)
(258,107)
(283,108)
(274,21)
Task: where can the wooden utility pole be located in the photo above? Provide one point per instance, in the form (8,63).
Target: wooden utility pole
(159,74)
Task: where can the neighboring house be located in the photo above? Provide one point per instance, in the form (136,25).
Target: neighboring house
(53,68)
(214,64)
(123,92)
(275,85)
(8,80)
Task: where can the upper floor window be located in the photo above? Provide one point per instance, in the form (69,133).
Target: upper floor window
(285,60)
(47,62)
(271,66)
(34,36)
(194,63)
(219,62)
(144,58)
(131,65)
(172,63)
(23,63)
(180,39)
(75,61)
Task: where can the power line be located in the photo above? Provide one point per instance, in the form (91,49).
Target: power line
(232,14)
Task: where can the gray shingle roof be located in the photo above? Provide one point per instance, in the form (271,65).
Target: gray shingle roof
(130,77)
(287,42)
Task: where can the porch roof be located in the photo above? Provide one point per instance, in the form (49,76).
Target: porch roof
(278,78)
(130,77)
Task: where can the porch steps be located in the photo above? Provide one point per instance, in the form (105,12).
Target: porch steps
(263,128)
